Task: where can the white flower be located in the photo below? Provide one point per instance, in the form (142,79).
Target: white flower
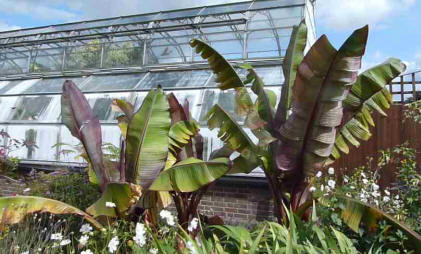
(352,187)
(153,251)
(140,238)
(387,192)
(110,204)
(193,224)
(88,251)
(346,179)
(376,202)
(375,187)
(364,200)
(312,189)
(322,187)
(65,242)
(25,252)
(363,175)
(397,197)
(386,199)
(331,183)
(166,215)
(191,247)
(319,174)
(331,171)
(86,228)
(365,181)
(57,236)
(84,239)
(376,194)
(348,194)
(26,190)
(113,244)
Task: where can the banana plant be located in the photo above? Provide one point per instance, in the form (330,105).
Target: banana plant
(324,106)
(185,177)
(157,156)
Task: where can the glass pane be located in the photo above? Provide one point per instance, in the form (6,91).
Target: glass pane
(196,78)
(38,142)
(101,104)
(13,64)
(83,57)
(7,104)
(271,75)
(262,44)
(7,85)
(226,99)
(20,86)
(225,8)
(54,85)
(123,54)
(140,96)
(32,108)
(47,60)
(111,134)
(112,82)
(70,147)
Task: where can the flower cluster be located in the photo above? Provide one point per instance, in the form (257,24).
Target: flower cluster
(168,217)
(140,237)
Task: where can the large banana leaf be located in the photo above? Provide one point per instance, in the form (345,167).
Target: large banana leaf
(190,174)
(14,209)
(226,76)
(320,87)
(123,195)
(78,117)
(293,57)
(355,211)
(367,94)
(147,139)
(231,133)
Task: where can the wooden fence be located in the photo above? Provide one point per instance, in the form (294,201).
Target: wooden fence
(390,131)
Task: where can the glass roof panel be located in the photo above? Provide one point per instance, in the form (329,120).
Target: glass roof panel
(33,108)
(176,79)
(112,82)
(178,14)
(54,85)
(7,85)
(7,105)
(20,86)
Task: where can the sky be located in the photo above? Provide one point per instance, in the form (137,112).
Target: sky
(394,24)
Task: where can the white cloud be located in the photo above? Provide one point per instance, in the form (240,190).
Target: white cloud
(346,14)
(5,27)
(43,9)
(65,10)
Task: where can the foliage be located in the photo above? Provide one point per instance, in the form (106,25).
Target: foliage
(8,164)
(401,200)
(412,111)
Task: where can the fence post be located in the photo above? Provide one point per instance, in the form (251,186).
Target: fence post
(402,90)
(414,92)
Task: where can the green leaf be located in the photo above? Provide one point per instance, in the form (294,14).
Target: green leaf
(367,94)
(123,195)
(226,76)
(14,209)
(78,117)
(181,134)
(293,57)
(355,211)
(147,139)
(190,174)
(231,133)
(308,135)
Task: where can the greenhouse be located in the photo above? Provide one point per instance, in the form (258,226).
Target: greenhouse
(124,57)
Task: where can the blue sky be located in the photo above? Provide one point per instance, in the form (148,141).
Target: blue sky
(394,24)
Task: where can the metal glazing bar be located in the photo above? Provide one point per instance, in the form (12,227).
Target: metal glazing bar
(402,90)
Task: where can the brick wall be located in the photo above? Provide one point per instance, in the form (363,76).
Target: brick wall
(238,202)
(9,186)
